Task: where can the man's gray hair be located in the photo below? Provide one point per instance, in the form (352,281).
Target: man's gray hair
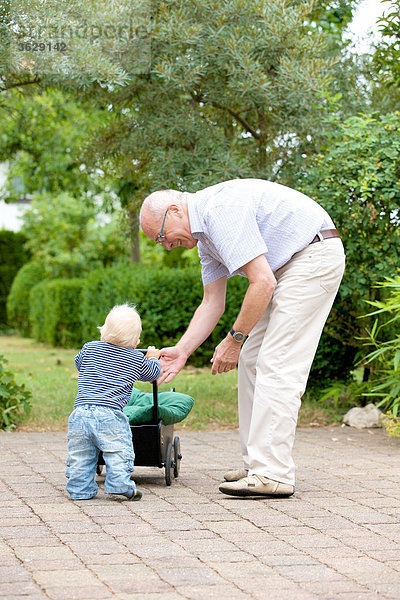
(157,202)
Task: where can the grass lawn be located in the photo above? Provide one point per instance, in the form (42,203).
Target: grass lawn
(50,374)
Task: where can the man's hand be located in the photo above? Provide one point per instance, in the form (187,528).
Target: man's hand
(226,356)
(172,361)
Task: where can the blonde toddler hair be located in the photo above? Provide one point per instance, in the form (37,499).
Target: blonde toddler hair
(122,326)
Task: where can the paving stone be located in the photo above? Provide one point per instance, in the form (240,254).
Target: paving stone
(64,577)
(172,595)
(206,592)
(79,593)
(19,588)
(13,573)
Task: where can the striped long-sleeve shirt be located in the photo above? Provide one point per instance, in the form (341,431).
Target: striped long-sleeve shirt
(238,220)
(107,374)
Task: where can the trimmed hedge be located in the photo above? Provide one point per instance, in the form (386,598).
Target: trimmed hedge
(68,312)
(18,299)
(12,256)
(165,299)
(55,312)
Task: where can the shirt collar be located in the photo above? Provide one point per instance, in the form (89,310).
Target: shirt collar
(195,220)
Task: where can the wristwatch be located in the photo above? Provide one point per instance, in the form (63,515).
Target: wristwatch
(238,336)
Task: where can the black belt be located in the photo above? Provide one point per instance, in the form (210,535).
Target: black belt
(326,234)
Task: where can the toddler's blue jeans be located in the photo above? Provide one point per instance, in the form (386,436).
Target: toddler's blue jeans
(92,428)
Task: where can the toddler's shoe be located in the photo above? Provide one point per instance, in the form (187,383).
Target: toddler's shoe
(137,495)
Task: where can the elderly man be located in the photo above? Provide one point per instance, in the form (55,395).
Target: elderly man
(289,250)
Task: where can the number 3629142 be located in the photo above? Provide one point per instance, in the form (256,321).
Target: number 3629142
(42,46)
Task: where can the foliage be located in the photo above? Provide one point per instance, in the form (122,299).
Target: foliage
(43,138)
(343,395)
(357,179)
(385,383)
(197,120)
(154,292)
(391,424)
(92,43)
(12,256)
(18,299)
(166,299)
(65,236)
(55,312)
(387,55)
(228,90)
(14,398)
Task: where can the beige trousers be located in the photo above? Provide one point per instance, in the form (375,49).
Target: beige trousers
(276,359)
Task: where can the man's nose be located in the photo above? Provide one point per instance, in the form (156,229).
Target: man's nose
(167,245)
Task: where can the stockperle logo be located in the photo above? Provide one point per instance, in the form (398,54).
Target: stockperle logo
(61,36)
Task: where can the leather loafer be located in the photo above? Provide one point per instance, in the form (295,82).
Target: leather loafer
(257,485)
(235,474)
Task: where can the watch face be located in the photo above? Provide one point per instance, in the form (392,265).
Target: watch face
(238,336)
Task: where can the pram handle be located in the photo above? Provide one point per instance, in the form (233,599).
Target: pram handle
(155,391)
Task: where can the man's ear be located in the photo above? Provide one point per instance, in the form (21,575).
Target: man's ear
(175,209)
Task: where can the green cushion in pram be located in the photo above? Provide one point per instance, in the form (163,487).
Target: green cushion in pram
(172,407)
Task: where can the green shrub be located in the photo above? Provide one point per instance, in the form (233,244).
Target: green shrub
(166,299)
(55,312)
(18,299)
(384,384)
(14,399)
(12,257)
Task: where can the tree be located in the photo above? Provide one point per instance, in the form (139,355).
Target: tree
(235,90)
(65,237)
(231,89)
(43,137)
(387,53)
(357,179)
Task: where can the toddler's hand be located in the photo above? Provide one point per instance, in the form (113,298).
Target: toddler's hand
(152,352)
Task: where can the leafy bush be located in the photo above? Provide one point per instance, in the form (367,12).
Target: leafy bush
(65,235)
(166,299)
(18,299)
(357,180)
(12,256)
(14,399)
(55,312)
(385,358)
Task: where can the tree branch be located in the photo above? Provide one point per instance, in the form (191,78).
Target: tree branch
(21,83)
(242,121)
(235,115)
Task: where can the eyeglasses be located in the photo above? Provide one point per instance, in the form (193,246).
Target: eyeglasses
(160,238)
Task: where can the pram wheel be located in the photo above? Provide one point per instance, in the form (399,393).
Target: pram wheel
(168,464)
(177,456)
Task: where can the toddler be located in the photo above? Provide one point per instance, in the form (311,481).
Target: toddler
(107,371)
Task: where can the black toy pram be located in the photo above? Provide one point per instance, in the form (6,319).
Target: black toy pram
(154,442)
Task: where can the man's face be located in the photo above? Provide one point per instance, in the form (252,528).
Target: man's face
(174,233)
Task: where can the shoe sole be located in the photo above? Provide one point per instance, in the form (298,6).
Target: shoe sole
(136,496)
(246,493)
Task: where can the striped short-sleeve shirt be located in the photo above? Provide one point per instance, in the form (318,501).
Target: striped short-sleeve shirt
(107,374)
(238,220)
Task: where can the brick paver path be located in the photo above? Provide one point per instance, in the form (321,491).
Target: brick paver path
(338,537)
